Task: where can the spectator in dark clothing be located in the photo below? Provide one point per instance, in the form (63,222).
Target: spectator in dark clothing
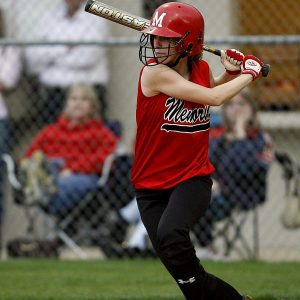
(241,152)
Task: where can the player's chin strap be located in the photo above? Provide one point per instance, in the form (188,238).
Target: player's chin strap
(182,55)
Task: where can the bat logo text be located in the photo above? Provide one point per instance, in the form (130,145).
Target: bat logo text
(118,16)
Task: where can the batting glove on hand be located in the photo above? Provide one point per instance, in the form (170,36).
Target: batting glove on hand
(252,65)
(232,60)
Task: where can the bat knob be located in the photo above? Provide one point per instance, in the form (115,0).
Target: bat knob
(265,70)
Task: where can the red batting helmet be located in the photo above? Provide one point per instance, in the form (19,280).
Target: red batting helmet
(174,20)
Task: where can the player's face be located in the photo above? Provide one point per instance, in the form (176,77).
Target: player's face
(78,106)
(165,49)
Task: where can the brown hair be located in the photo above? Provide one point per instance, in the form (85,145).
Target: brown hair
(194,58)
(90,94)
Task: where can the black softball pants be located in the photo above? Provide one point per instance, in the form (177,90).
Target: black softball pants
(168,216)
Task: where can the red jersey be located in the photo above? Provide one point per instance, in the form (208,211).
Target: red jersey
(172,137)
(83,147)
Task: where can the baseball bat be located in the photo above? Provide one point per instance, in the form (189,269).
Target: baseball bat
(127,19)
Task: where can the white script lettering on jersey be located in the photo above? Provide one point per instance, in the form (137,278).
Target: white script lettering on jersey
(157,20)
(178,118)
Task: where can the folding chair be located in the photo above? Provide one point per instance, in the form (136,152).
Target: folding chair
(225,226)
(245,203)
(108,195)
(29,245)
(114,190)
(231,234)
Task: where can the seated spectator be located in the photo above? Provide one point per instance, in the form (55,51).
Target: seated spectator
(68,156)
(241,152)
(10,73)
(56,68)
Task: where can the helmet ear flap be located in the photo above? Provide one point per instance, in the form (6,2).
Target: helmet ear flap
(201,40)
(188,48)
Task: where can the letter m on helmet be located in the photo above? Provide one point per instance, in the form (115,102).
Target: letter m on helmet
(157,20)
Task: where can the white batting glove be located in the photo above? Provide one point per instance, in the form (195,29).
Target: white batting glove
(252,65)
(232,60)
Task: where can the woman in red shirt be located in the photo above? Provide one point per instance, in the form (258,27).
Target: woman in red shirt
(76,147)
(171,171)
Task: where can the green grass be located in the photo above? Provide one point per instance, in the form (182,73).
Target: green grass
(136,280)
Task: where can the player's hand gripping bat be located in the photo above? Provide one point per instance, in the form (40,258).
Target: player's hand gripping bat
(138,23)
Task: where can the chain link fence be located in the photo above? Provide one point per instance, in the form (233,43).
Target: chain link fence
(52,53)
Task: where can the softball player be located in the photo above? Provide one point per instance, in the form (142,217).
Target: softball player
(171,171)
